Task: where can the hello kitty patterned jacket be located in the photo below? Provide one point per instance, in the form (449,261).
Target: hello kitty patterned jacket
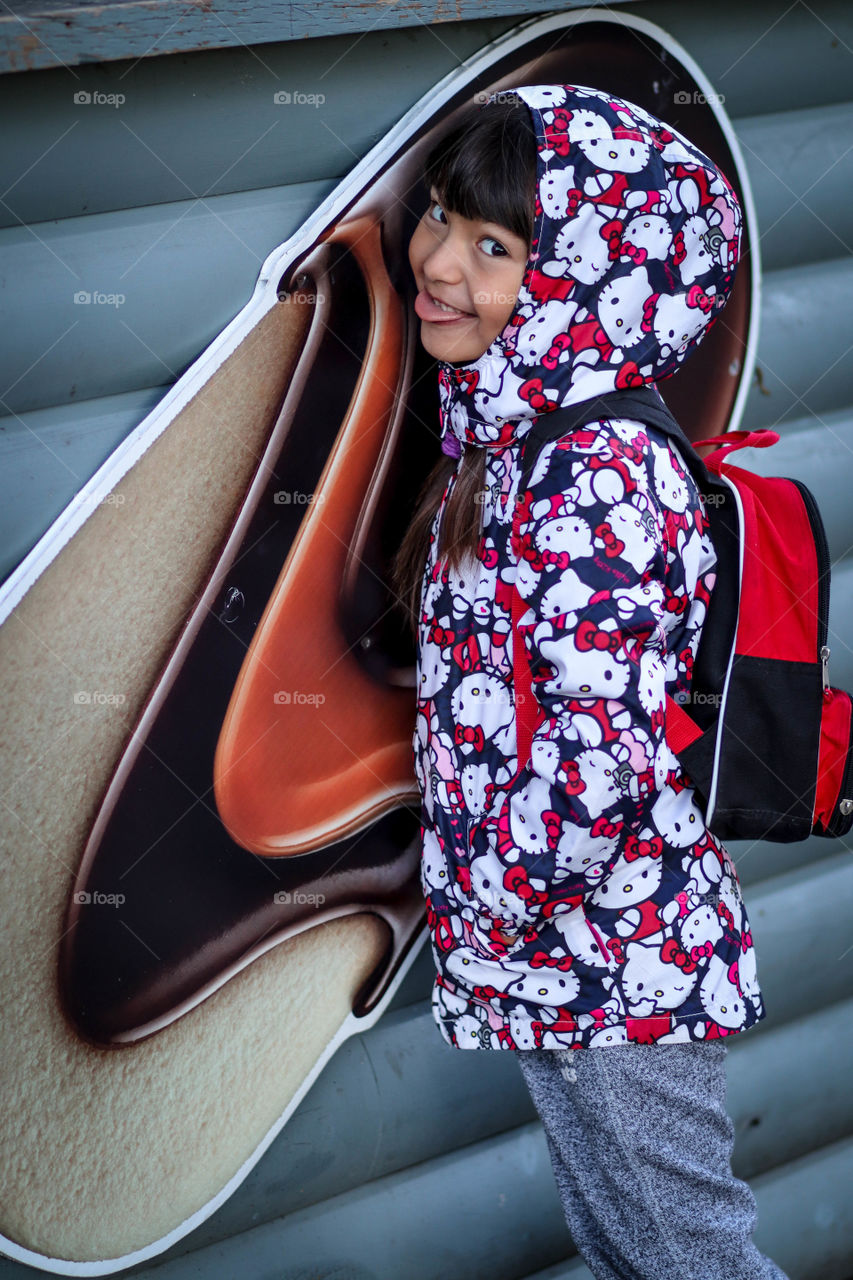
(581,901)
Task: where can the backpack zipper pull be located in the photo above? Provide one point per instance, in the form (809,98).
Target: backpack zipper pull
(824,668)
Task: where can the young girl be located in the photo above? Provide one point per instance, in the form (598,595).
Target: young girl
(574,245)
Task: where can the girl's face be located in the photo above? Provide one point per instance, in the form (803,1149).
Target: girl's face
(468,274)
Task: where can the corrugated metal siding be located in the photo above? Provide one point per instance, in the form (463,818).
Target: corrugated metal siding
(409,1159)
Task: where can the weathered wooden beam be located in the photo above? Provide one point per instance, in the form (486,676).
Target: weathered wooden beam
(38,33)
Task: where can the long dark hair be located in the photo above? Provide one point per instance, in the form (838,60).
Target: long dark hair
(485,167)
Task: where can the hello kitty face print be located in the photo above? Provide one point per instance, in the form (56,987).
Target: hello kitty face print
(636,241)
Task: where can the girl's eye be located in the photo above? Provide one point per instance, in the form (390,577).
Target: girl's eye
(436,212)
(493,247)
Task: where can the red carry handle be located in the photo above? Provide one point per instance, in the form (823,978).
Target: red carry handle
(759,439)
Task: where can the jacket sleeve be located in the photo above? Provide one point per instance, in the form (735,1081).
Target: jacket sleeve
(590,549)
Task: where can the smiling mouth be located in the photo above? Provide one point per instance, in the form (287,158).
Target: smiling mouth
(434,311)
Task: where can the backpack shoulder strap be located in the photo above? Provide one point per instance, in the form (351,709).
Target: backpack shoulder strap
(644,404)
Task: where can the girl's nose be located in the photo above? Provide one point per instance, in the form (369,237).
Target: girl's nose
(443,262)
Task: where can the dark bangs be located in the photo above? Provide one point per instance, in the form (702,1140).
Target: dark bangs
(486,166)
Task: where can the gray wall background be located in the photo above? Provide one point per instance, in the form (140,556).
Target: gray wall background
(409,1159)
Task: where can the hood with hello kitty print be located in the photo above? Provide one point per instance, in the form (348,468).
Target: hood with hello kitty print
(636,240)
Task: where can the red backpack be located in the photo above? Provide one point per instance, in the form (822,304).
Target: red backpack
(763,736)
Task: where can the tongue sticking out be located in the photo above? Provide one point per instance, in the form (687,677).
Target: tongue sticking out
(426,309)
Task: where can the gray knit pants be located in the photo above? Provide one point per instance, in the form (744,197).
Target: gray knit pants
(640,1142)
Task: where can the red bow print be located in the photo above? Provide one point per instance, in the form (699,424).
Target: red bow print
(629,375)
(532,392)
(637,848)
(469,733)
(553,825)
(561,343)
(541,959)
(466,655)
(725,914)
(557,132)
(561,559)
(617,247)
(613,546)
(633,451)
(672,953)
(463,879)
(515,880)
(589,636)
(605,828)
(612,233)
(696,297)
(574,203)
(635,252)
(466,380)
(443,934)
(649,312)
(441,635)
(706,949)
(574,782)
